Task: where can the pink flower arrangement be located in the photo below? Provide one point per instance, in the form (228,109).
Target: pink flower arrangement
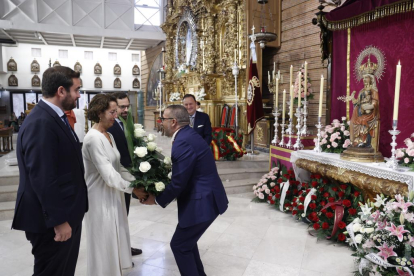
(406,155)
(296,89)
(335,137)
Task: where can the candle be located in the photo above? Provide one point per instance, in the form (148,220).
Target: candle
(277,93)
(291,75)
(300,89)
(274,67)
(397,91)
(278,74)
(291,102)
(306,79)
(321,97)
(284,106)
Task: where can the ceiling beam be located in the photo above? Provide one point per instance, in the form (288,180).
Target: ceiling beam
(73,40)
(129,44)
(41,37)
(102,41)
(6,34)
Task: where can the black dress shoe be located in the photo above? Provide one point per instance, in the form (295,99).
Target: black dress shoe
(135,251)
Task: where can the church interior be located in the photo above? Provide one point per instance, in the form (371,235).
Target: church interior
(310,108)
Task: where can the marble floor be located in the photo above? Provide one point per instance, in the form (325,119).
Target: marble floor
(250,239)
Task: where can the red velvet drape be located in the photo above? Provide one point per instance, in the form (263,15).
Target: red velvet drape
(394,36)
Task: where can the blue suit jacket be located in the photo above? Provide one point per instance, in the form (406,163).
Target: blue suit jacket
(202,126)
(195,182)
(121,144)
(52,188)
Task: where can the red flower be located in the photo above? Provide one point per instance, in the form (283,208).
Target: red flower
(331,199)
(325,225)
(290,172)
(294,212)
(352,211)
(316,226)
(329,215)
(287,205)
(325,181)
(300,207)
(346,203)
(312,206)
(269,197)
(272,202)
(277,196)
(279,180)
(341,194)
(335,189)
(325,194)
(341,225)
(323,203)
(324,211)
(302,198)
(294,204)
(287,192)
(314,197)
(356,193)
(343,186)
(321,189)
(314,184)
(300,192)
(277,189)
(295,191)
(317,176)
(341,237)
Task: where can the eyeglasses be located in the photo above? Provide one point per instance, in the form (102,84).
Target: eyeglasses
(123,107)
(162,119)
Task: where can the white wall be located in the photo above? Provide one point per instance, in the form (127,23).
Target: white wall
(23,57)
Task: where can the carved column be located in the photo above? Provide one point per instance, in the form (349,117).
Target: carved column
(210,51)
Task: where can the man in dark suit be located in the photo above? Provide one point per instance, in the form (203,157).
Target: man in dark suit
(195,184)
(52,196)
(117,131)
(199,121)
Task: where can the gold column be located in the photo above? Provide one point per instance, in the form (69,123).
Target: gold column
(210,49)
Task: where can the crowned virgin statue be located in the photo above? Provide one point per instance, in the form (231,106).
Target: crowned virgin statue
(365,120)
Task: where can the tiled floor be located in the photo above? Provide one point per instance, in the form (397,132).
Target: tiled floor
(250,239)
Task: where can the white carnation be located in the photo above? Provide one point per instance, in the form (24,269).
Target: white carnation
(167,161)
(151,137)
(151,146)
(140,151)
(159,186)
(144,167)
(169,175)
(139,132)
(138,126)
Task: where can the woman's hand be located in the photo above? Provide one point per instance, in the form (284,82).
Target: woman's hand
(140,193)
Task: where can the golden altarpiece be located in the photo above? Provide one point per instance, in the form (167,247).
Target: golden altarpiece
(203,39)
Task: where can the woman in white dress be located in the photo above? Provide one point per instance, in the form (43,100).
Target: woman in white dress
(107,230)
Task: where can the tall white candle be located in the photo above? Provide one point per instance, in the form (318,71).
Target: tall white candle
(274,67)
(277,93)
(291,75)
(306,78)
(291,102)
(321,97)
(397,91)
(284,106)
(300,89)
(268,77)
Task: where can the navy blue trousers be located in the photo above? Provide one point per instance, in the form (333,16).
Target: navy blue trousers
(184,247)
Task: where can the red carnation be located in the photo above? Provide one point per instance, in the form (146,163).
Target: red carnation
(329,215)
(314,197)
(356,193)
(287,192)
(300,192)
(324,211)
(290,172)
(325,181)
(277,196)
(314,184)
(346,203)
(325,194)
(335,189)
(343,186)
(269,197)
(300,207)
(294,204)
(321,189)
(277,189)
(317,176)
(325,225)
(331,199)
(312,176)
(316,226)
(341,237)
(323,203)
(341,194)
(302,198)
(341,225)
(294,212)
(295,191)
(312,206)
(272,202)
(352,211)
(279,180)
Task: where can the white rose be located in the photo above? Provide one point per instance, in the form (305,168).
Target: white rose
(151,146)
(158,149)
(138,126)
(267,191)
(356,227)
(357,220)
(362,229)
(369,230)
(139,132)
(169,175)
(167,160)
(159,186)
(144,167)
(151,137)
(140,151)
(358,238)
(261,196)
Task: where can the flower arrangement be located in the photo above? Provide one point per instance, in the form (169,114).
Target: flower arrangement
(226,145)
(383,236)
(406,155)
(175,97)
(267,182)
(309,92)
(199,95)
(336,137)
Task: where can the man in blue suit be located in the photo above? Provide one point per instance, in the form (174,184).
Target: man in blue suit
(195,184)
(52,196)
(199,121)
(117,131)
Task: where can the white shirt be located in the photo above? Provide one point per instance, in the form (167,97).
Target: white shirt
(55,108)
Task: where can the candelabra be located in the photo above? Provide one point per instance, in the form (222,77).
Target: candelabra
(304,130)
(235,72)
(282,138)
(392,161)
(298,144)
(289,130)
(289,144)
(276,113)
(318,148)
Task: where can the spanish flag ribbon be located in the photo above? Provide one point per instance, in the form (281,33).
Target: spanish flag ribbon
(235,145)
(216,151)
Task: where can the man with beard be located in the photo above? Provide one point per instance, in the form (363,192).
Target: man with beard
(117,131)
(52,196)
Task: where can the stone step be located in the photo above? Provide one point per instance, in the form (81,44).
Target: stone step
(8,193)
(239,186)
(242,173)
(243,163)
(7,180)
(7,210)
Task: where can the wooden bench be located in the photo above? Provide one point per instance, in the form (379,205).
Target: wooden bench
(6,140)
